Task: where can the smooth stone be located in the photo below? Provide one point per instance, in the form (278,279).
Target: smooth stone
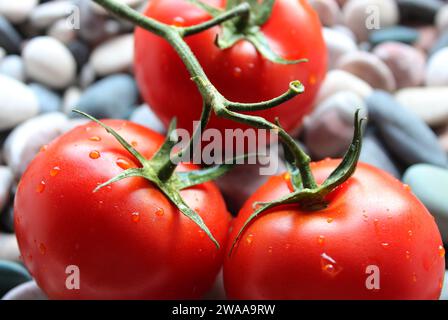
(442,19)
(428,36)
(114,55)
(87,76)
(17,11)
(111,97)
(48,61)
(407,64)
(93,24)
(328,11)
(12,66)
(374,153)
(339,80)
(429,103)
(398,33)
(328,131)
(437,70)
(144,116)
(26,140)
(419,11)
(26,291)
(442,42)
(11,275)
(443,139)
(357,16)
(369,68)
(444,294)
(17,103)
(62,31)
(430,183)
(2,53)
(80,52)
(9,248)
(49,101)
(45,14)
(10,39)
(338,44)
(7,220)
(405,135)
(71,97)
(100,10)
(6,179)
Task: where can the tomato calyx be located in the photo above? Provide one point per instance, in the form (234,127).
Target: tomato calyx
(160,170)
(246,27)
(314,198)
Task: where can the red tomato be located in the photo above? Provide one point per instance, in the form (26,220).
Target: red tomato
(240,73)
(127,239)
(372,220)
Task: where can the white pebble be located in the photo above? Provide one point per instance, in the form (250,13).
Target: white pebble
(12,66)
(114,55)
(17,11)
(47,13)
(442,19)
(338,44)
(9,249)
(6,179)
(437,69)
(71,97)
(26,291)
(62,31)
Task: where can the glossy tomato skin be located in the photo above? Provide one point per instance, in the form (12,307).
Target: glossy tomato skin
(240,73)
(372,219)
(128,240)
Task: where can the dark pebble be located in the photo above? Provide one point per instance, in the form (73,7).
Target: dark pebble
(10,39)
(423,11)
(11,275)
(80,52)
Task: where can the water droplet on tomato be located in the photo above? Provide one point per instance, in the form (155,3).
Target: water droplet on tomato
(44,148)
(249,238)
(287,246)
(329,265)
(410,233)
(312,79)
(270,250)
(414,277)
(408,255)
(123,163)
(321,240)
(251,65)
(159,212)
(201,233)
(329,220)
(237,72)
(441,251)
(40,187)
(134,143)
(287,176)
(135,216)
(55,171)
(42,248)
(178,21)
(406,187)
(440,284)
(385,245)
(94,154)
(95,138)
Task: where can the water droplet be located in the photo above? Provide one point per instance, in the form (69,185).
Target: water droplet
(94,154)
(42,248)
(385,244)
(441,251)
(330,220)
(40,187)
(287,246)
(270,250)
(287,176)
(178,21)
(408,255)
(251,65)
(134,143)
(159,212)
(410,233)
(44,148)
(135,216)
(406,187)
(329,265)
(414,277)
(123,163)
(321,240)
(237,72)
(95,138)
(312,80)
(201,233)
(55,171)
(440,284)
(249,238)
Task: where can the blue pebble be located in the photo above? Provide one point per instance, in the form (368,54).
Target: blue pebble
(398,33)
(11,275)
(49,101)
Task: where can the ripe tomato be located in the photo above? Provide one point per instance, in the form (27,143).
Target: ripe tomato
(240,73)
(372,220)
(127,239)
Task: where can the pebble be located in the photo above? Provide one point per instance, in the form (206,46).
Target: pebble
(428,37)
(71,97)
(442,19)
(17,103)
(48,61)
(62,31)
(375,153)
(9,249)
(10,39)
(49,101)
(80,52)
(429,103)
(6,179)
(407,64)
(11,275)
(369,68)
(338,43)
(87,76)
(146,117)
(359,17)
(339,80)
(328,131)
(100,10)
(2,53)
(328,11)
(111,97)
(437,70)
(430,183)
(26,291)
(405,135)
(415,11)
(443,139)
(398,33)
(17,11)
(93,24)
(444,294)
(13,67)
(105,60)
(442,42)
(7,220)
(26,140)
(45,14)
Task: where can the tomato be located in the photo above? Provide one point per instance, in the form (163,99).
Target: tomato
(371,220)
(127,239)
(240,73)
